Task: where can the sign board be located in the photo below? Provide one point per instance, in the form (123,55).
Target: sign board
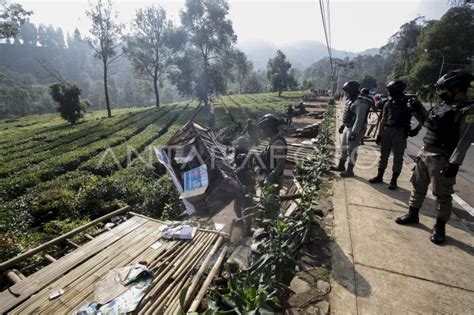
(164,159)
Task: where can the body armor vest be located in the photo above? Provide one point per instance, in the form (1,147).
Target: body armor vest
(399,115)
(442,126)
(348,117)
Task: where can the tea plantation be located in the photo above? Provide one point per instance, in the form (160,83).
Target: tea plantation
(55,176)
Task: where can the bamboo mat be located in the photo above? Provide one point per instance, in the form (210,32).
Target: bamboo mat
(176,264)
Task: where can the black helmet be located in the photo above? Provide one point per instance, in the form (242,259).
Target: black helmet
(396,86)
(268,121)
(365,91)
(454,79)
(351,86)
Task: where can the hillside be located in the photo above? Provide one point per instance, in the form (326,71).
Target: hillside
(301,54)
(55,176)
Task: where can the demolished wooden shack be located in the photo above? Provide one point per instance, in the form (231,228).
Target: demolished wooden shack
(195,146)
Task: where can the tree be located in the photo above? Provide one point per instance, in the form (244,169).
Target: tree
(12,17)
(106,33)
(278,72)
(444,45)
(29,34)
(68,97)
(243,67)
(253,83)
(402,45)
(368,82)
(211,37)
(153,44)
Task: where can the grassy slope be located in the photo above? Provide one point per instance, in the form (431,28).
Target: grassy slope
(50,174)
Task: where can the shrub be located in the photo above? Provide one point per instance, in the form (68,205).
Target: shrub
(68,96)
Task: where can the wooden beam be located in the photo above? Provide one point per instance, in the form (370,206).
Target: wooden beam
(15,260)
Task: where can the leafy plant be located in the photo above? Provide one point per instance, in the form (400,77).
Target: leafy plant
(67,95)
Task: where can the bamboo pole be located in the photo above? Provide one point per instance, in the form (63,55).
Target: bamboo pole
(160,280)
(5,265)
(186,261)
(201,270)
(208,280)
(49,258)
(12,276)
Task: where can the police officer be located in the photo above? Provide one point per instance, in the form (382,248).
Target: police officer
(394,128)
(289,115)
(274,155)
(450,132)
(353,128)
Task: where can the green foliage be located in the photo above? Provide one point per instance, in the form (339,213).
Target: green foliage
(402,45)
(368,82)
(153,44)
(278,72)
(449,39)
(205,64)
(68,96)
(12,17)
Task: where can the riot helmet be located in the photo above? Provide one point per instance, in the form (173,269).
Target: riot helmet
(452,83)
(269,124)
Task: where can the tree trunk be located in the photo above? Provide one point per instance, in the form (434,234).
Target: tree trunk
(155,86)
(279,92)
(106,90)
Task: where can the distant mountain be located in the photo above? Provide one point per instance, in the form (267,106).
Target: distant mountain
(300,53)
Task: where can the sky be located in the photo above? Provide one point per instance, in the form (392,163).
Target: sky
(356,25)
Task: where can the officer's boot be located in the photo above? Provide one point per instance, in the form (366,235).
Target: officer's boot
(341,167)
(378,178)
(393,181)
(349,172)
(439,232)
(410,217)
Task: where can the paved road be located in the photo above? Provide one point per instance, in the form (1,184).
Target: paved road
(465,177)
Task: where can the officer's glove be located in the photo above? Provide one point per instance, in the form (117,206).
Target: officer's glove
(352,137)
(378,139)
(414,131)
(341,129)
(450,170)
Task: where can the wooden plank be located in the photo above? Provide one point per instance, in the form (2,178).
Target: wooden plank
(81,281)
(35,282)
(62,282)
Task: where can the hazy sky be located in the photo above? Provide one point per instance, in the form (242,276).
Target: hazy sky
(355,25)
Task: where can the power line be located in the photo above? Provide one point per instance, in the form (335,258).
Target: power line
(326,34)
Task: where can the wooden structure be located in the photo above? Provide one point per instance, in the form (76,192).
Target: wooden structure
(194,145)
(175,263)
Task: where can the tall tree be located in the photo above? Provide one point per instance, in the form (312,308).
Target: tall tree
(278,72)
(29,34)
(211,37)
(402,45)
(243,68)
(443,45)
(106,35)
(12,17)
(153,45)
(368,82)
